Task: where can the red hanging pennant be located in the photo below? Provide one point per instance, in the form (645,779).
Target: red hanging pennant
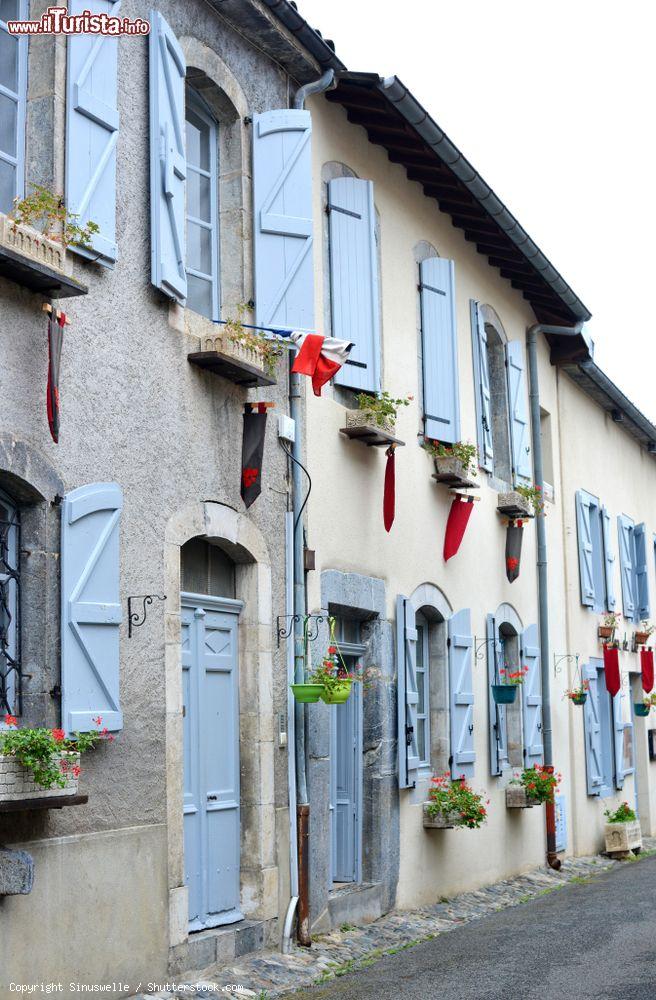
(647,668)
(389,493)
(612,669)
(55,341)
(456,524)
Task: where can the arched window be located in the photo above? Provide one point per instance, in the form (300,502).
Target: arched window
(9,606)
(206,569)
(496,363)
(202,208)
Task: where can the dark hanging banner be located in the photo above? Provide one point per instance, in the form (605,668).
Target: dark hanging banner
(514,534)
(389,494)
(456,525)
(55,342)
(612,669)
(252,451)
(647,669)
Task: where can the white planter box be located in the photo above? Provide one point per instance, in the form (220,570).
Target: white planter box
(622,838)
(230,349)
(32,244)
(439,821)
(516,798)
(17,783)
(360,418)
(513,504)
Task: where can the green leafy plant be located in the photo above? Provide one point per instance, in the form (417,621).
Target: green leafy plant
(513,677)
(382,409)
(539,782)
(252,340)
(611,619)
(534,496)
(47,212)
(456,801)
(578,693)
(43,751)
(645,628)
(623,814)
(464,451)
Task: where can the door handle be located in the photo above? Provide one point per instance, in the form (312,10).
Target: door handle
(212,798)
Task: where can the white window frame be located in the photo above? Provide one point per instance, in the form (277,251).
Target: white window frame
(19,98)
(195,104)
(423,678)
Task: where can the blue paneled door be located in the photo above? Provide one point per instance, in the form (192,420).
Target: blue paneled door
(346,788)
(210,692)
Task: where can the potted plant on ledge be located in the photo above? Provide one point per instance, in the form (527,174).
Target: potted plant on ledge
(522,502)
(532,786)
(455,464)
(505,693)
(374,422)
(622,832)
(608,625)
(42,763)
(642,633)
(453,803)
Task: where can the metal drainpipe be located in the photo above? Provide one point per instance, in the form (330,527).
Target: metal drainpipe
(543,598)
(324,83)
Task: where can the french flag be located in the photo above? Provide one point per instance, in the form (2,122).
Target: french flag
(319,357)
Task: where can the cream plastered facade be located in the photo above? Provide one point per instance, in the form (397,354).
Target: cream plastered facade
(345,523)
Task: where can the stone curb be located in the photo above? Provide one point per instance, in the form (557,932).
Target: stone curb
(271,975)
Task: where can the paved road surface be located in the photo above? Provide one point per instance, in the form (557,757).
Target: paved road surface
(592,941)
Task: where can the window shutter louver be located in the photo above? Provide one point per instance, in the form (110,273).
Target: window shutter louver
(518,406)
(592,731)
(482,389)
(622,713)
(92,125)
(497,713)
(641,574)
(407,694)
(354,280)
(584,535)
(282,214)
(91,607)
(609,561)
(627,565)
(168,168)
(532,697)
(439,350)
(461,690)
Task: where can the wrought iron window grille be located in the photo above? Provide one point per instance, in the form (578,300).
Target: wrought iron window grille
(10,602)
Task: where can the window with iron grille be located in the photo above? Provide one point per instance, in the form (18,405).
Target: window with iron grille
(10,672)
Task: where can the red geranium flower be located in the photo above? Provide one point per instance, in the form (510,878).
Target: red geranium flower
(58,735)
(11,720)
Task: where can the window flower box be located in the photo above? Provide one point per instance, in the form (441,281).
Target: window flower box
(32,260)
(516,798)
(623,838)
(451,471)
(514,505)
(438,821)
(234,361)
(361,426)
(17,784)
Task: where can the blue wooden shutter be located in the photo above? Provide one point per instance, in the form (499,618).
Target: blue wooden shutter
(609,560)
(440,350)
(627,564)
(92,130)
(622,725)
(461,692)
(498,729)
(354,280)
(407,694)
(641,574)
(482,389)
(282,214)
(532,697)
(592,731)
(91,607)
(584,535)
(168,168)
(12,110)
(518,411)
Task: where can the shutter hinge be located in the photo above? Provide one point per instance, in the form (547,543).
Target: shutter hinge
(248,120)
(409,732)
(55,692)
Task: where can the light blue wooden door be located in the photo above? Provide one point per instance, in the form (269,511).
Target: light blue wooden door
(210,690)
(346,788)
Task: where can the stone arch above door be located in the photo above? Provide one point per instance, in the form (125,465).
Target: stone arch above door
(245,544)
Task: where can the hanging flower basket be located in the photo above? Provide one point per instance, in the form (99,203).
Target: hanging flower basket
(307,694)
(641,709)
(578,694)
(504,694)
(579,699)
(337,693)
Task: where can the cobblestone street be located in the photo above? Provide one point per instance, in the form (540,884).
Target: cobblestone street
(335,957)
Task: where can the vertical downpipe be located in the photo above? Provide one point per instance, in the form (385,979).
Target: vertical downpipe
(543,606)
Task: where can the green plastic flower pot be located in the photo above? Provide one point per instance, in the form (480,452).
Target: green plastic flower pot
(640,709)
(579,699)
(338,694)
(504,694)
(307,693)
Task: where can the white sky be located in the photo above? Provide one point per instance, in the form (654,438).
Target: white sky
(553,104)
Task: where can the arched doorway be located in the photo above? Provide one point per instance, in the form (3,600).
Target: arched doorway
(209,619)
